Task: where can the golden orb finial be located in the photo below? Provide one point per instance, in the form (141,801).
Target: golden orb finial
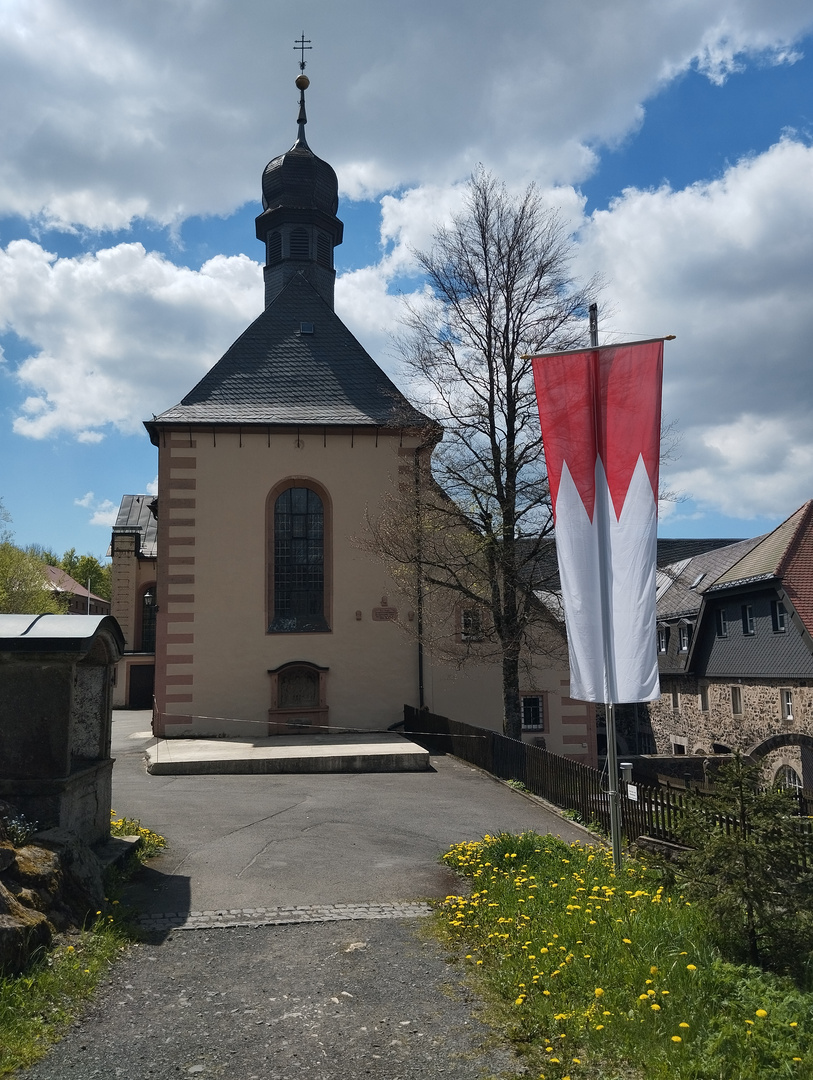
(302,82)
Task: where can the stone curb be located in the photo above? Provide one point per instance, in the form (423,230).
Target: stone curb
(224,919)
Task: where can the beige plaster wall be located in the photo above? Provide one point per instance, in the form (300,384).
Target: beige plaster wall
(212,586)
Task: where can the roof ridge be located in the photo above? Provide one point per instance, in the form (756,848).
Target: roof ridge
(794,541)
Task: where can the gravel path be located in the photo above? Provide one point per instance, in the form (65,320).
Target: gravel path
(329,1000)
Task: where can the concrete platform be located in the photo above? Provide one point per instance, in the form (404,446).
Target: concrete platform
(353,753)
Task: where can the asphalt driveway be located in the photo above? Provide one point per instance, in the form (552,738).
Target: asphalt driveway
(334,1000)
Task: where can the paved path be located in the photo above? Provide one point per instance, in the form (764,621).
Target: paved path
(285,932)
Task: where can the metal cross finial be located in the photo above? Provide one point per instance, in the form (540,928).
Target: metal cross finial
(302,44)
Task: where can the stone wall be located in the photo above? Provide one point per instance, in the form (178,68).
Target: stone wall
(697,730)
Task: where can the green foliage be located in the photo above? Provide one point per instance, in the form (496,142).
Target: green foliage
(84,568)
(750,867)
(151,842)
(597,973)
(38,1005)
(17,828)
(23,589)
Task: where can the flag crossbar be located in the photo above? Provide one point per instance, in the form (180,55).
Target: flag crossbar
(596,348)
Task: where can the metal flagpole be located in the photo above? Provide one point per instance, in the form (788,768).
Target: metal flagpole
(609,706)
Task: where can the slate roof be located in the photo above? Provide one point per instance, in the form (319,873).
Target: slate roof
(276,374)
(135,515)
(678,595)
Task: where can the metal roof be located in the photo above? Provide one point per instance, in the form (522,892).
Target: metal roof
(135,515)
(55,633)
(297,364)
(677,593)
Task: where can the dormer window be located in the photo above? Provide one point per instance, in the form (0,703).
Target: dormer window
(722,623)
(749,626)
(684,637)
(663,639)
(779,617)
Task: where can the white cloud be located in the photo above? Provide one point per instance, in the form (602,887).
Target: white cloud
(162,110)
(105,514)
(152,487)
(728,267)
(117,335)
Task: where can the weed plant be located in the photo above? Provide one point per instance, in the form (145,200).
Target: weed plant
(151,842)
(37,1005)
(599,974)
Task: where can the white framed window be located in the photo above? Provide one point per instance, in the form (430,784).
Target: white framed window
(786,703)
(663,639)
(736,700)
(749,626)
(533,713)
(722,623)
(684,637)
(779,617)
(471,624)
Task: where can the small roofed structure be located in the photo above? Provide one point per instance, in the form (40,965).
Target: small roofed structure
(56,675)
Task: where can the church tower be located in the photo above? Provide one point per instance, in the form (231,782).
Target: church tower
(298,224)
(271,616)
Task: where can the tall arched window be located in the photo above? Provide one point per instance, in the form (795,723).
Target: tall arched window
(297,578)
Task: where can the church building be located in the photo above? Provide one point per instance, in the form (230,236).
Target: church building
(270,613)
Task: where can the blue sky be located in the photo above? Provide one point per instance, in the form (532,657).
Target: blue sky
(675,138)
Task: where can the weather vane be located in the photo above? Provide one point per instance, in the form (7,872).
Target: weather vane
(302,44)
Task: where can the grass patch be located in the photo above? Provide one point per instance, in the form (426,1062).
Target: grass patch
(37,1005)
(603,975)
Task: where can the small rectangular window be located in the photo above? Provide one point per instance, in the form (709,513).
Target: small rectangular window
(663,639)
(533,715)
(676,700)
(736,700)
(779,617)
(749,626)
(704,699)
(306,328)
(786,703)
(684,637)
(722,623)
(471,626)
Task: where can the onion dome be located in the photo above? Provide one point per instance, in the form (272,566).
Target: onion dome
(298,178)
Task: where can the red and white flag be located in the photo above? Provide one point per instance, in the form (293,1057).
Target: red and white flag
(600,411)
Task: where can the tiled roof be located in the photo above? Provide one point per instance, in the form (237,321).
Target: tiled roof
(763,561)
(135,514)
(276,373)
(796,569)
(59,581)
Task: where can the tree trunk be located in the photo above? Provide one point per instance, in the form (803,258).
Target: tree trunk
(512,715)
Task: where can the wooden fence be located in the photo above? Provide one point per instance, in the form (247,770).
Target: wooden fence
(655,812)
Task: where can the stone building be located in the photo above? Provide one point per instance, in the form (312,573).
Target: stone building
(270,615)
(736,652)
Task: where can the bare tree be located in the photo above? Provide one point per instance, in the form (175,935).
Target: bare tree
(501,289)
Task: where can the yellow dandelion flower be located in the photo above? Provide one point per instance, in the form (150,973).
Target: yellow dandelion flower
(691,967)
(599,992)
(626,941)
(676,1038)
(683,1025)
(656,1007)
(761,1013)
(653,970)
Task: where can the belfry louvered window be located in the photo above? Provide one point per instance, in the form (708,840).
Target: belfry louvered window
(300,244)
(274,248)
(299,562)
(323,249)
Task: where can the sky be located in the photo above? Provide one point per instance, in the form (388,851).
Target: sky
(674,137)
